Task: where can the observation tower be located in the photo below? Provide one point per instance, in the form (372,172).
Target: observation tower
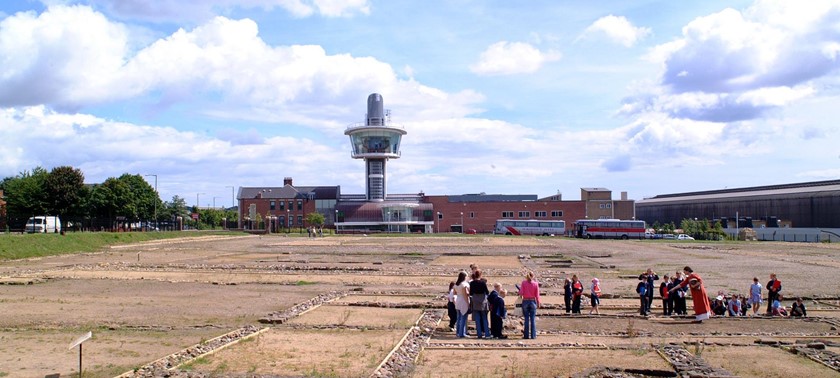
(376,141)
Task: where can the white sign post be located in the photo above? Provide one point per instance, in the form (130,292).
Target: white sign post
(79,342)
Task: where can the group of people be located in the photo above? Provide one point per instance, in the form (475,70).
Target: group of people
(740,305)
(470,294)
(573,291)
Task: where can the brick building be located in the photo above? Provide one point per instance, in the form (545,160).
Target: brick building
(285,207)
(480,212)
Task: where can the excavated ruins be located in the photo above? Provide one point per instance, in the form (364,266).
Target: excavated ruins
(269,306)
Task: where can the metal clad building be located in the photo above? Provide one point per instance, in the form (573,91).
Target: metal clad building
(810,204)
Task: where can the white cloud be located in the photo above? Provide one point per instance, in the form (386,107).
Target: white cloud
(509,58)
(618,30)
(36,136)
(738,65)
(72,57)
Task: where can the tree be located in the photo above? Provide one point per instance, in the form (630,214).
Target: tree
(175,208)
(25,194)
(64,189)
(315,219)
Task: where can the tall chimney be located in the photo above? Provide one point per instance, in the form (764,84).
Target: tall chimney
(624,196)
(287,181)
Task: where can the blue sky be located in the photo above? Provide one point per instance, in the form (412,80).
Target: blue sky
(533,97)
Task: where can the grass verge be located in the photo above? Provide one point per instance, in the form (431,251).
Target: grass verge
(17,246)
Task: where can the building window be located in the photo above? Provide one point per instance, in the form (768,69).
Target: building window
(300,220)
(472,214)
(507,214)
(608,205)
(440,215)
(540,214)
(282,205)
(271,205)
(557,213)
(300,205)
(524,214)
(601,205)
(604,217)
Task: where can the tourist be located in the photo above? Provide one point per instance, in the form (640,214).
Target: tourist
(777,308)
(798,309)
(718,306)
(755,296)
(774,286)
(733,307)
(462,304)
(702,309)
(595,296)
(450,306)
(650,276)
(577,292)
(667,301)
(479,305)
(679,298)
(529,290)
(641,289)
(567,294)
(498,312)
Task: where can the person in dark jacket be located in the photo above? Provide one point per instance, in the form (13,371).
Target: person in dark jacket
(667,301)
(774,286)
(479,305)
(641,289)
(798,309)
(567,295)
(678,295)
(498,312)
(649,277)
(577,292)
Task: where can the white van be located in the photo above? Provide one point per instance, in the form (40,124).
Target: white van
(43,224)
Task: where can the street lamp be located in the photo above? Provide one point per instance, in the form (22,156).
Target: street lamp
(462,222)
(214,202)
(157,197)
(289,220)
(335,221)
(438,222)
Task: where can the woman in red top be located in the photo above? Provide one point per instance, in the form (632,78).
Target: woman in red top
(702,308)
(529,290)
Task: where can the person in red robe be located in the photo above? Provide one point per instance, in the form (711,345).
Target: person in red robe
(702,308)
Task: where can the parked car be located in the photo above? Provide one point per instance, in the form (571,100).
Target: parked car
(471,231)
(684,237)
(669,236)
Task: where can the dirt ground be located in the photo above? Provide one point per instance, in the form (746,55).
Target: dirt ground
(145,301)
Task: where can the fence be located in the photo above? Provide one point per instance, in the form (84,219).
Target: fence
(805,235)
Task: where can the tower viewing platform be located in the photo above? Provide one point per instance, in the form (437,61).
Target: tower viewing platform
(375,141)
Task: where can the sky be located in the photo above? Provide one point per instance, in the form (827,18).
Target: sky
(503,97)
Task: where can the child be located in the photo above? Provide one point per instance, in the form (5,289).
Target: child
(777,308)
(450,306)
(667,301)
(798,309)
(733,307)
(498,312)
(641,289)
(595,296)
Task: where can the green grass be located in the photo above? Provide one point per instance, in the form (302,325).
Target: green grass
(17,246)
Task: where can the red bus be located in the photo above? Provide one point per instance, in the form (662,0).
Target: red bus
(610,228)
(530,227)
